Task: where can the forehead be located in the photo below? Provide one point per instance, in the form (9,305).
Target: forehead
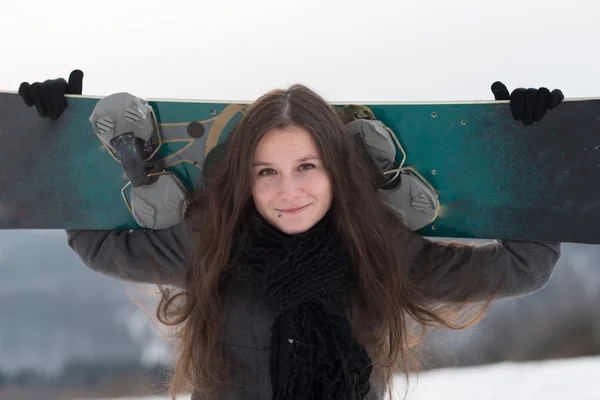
(283,143)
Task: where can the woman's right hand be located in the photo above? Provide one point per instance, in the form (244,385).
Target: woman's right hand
(49,96)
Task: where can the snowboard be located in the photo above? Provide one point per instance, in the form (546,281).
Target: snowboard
(495,177)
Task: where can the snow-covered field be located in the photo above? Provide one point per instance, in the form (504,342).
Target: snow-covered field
(573,379)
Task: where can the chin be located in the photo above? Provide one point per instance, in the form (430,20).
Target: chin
(293,230)
(288,228)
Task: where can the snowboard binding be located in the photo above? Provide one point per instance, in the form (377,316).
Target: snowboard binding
(402,188)
(127,127)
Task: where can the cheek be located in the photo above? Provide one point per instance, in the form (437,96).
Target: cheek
(320,186)
(263,191)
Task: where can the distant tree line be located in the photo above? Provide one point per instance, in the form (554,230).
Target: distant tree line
(91,374)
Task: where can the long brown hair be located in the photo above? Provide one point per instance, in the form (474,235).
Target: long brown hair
(389,298)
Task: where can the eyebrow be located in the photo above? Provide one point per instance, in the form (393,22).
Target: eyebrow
(303,159)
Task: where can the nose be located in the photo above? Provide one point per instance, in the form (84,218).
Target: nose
(289,186)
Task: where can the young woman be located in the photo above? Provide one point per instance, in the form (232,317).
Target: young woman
(288,277)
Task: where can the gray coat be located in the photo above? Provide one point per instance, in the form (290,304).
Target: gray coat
(248,313)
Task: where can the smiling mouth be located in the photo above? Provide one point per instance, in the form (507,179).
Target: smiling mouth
(293,210)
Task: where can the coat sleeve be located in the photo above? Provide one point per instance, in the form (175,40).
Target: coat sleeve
(144,256)
(455,272)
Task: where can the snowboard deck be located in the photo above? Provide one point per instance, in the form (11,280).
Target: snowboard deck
(495,177)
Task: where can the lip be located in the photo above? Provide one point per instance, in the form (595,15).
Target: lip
(293,210)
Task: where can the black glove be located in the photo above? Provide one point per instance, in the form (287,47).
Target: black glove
(528,105)
(49,96)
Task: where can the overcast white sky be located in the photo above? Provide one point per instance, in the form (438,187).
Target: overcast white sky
(346,50)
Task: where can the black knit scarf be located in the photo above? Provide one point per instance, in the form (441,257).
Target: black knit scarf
(313,352)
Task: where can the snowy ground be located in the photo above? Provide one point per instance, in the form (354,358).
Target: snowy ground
(573,379)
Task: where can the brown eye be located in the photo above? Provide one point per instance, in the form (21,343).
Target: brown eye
(265,171)
(307,166)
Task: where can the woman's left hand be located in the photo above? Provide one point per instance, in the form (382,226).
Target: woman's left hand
(528,105)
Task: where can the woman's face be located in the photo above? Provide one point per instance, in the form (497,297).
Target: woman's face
(290,186)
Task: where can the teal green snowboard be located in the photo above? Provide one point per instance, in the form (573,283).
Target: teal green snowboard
(495,177)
